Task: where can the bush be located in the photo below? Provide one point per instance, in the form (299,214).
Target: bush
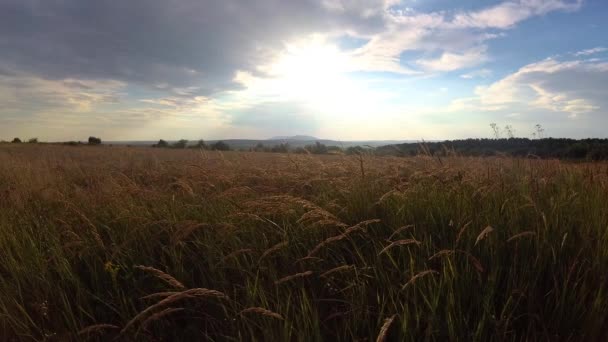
(16,141)
(94,141)
(280,148)
(355,150)
(317,148)
(180,144)
(200,144)
(33,141)
(161,144)
(220,146)
(259,148)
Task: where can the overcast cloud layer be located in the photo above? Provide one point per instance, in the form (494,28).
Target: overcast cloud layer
(146,69)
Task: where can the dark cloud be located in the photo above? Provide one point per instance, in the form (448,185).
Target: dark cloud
(175,42)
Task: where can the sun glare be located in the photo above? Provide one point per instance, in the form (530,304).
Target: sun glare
(317,73)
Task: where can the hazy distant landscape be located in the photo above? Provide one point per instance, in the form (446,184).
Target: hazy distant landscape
(293,141)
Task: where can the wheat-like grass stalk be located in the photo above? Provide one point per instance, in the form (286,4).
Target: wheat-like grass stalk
(236,253)
(342,236)
(167,278)
(441,253)
(473,260)
(308,258)
(387,195)
(160,315)
(262,311)
(418,276)
(337,269)
(96,328)
(462,230)
(401,229)
(484,233)
(404,242)
(293,276)
(273,249)
(520,235)
(383,334)
(176,297)
(186,231)
(159,295)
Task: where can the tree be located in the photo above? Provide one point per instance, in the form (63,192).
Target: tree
(355,150)
(94,141)
(16,141)
(496,130)
(510,131)
(220,146)
(259,147)
(161,144)
(539,131)
(180,144)
(281,148)
(317,148)
(200,144)
(33,141)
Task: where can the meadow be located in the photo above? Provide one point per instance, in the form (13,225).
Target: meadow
(142,244)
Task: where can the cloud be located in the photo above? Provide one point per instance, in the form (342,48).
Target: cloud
(481,73)
(178,42)
(455,61)
(459,37)
(148,60)
(592,51)
(505,15)
(20,92)
(203,43)
(572,87)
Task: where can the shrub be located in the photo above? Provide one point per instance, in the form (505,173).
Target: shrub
(180,144)
(220,146)
(355,150)
(200,144)
(280,148)
(161,144)
(94,141)
(259,148)
(16,141)
(33,141)
(317,148)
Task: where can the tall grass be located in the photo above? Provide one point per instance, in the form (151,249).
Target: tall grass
(141,244)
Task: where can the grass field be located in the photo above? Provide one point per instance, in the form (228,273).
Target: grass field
(157,245)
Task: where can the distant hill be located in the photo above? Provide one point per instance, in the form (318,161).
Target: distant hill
(293,142)
(295,137)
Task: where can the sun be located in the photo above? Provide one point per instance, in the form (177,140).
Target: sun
(313,71)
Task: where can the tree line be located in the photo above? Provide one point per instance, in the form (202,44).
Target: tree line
(561,148)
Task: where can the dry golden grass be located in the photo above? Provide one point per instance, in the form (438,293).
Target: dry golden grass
(511,249)
(162,276)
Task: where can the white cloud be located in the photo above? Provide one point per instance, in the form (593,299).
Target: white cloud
(481,73)
(589,52)
(572,87)
(459,38)
(507,14)
(455,61)
(27,92)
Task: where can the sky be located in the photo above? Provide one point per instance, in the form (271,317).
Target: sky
(339,69)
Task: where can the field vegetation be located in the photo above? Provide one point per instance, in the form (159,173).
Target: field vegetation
(149,244)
